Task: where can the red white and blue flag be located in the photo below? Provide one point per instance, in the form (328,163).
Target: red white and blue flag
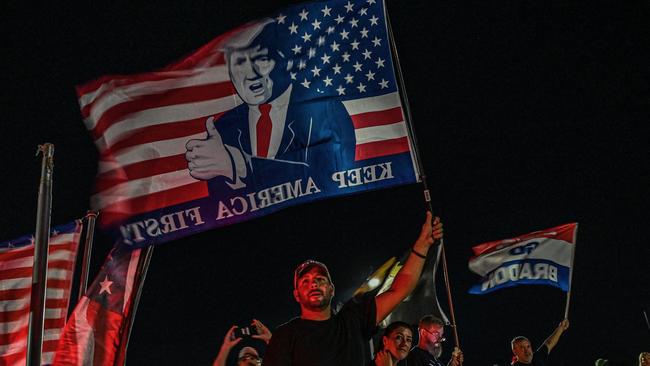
(97,331)
(293,108)
(539,258)
(16,266)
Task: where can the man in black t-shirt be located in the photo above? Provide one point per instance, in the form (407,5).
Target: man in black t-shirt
(430,337)
(523,351)
(321,338)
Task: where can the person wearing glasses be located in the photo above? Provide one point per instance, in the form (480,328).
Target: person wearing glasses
(248,356)
(431,332)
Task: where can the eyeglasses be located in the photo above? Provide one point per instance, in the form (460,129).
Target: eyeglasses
(439,336)
(249,357)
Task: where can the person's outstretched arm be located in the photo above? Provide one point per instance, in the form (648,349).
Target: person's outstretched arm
(552,340)
(228,343)
(408,276)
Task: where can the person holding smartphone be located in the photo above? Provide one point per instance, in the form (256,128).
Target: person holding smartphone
(248,356)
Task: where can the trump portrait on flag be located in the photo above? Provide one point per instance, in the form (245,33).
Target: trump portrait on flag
(278,132)
(297,107)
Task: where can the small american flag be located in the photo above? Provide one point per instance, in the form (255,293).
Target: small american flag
(16,263)
(336,51)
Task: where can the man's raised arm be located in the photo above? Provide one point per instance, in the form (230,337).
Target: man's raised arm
(552,340)
(408,276)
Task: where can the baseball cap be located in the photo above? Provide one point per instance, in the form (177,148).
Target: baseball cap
(305,266)
(248,351)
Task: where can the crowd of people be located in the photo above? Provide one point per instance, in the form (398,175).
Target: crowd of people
(320,336)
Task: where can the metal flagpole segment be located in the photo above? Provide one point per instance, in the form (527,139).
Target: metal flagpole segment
(91,217)
(449,298)
(41,245)
(141,274)
(416,156)
(573,253)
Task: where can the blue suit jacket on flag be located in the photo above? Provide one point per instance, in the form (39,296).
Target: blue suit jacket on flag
(318,140)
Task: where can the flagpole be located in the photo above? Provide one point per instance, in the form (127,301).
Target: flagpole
(418,162)
(41,245)
(448,287)
(143,267)
(91,217)
(405,105)
(573,253)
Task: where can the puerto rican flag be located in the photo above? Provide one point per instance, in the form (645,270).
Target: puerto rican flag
(339,50)
(98,330)
(539,258)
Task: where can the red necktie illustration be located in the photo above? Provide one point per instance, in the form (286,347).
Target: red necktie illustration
(263,128)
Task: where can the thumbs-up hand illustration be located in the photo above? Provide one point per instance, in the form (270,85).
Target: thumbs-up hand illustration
(208,158)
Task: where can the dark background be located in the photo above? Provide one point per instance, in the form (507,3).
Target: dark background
(529,114)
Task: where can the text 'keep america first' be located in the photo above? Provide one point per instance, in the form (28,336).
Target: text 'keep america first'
(139,231)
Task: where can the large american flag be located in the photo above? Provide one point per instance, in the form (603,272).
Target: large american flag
(141,123)
(16,263)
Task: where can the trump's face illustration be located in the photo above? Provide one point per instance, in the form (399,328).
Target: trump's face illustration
(250,72)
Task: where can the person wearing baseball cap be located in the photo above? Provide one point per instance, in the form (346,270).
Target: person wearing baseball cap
(320,337)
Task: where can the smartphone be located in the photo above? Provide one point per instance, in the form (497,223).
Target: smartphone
(244,332)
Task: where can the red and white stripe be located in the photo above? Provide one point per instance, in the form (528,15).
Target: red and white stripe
(379,126)
(15,292)
(141,124)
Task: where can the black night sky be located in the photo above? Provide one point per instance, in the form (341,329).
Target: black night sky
(529,114)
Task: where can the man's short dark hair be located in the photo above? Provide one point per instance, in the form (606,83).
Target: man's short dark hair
(429,320)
